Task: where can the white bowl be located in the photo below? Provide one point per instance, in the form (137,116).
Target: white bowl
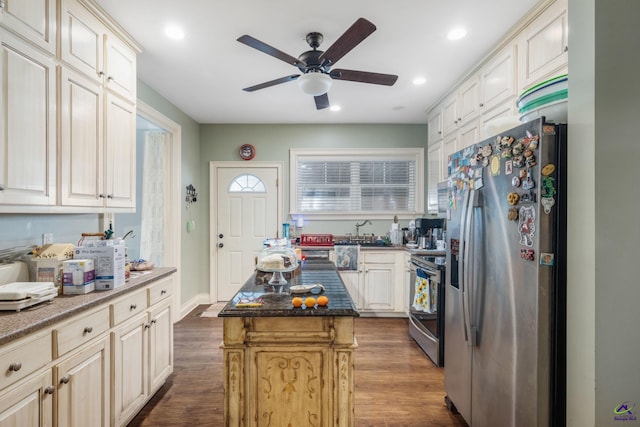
(554,112)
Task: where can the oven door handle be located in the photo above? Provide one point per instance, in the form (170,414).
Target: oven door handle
(425,333)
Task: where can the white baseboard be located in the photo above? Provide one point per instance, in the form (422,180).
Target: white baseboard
(195,301)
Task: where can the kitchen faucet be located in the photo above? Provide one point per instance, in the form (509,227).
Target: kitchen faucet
(365,222)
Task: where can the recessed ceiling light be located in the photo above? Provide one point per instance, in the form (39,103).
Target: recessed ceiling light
(335,108)
(457,34)
(419,81)
(174,32)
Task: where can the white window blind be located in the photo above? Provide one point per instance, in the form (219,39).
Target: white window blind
(384,182)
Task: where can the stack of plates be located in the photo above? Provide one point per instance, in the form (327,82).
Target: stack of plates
(548,99)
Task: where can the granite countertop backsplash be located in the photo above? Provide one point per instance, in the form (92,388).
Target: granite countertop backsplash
(14,325)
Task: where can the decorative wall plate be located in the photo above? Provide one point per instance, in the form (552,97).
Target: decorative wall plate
(247,151)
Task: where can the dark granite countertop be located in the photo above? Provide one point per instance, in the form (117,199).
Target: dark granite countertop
(14,325)
(279,305)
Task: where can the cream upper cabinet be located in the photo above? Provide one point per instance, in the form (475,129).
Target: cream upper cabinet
(498,78)
(82,38)
(34,20)
(504,110)
(98,145)
(434,125)
(120,74)
(27,124)
(469,134)
(435,174)
(450,117)
(120,159)
(544,46)
(470,105)
(82,141)
(88,45)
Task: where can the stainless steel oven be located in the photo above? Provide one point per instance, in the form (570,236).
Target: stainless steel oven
(426,305)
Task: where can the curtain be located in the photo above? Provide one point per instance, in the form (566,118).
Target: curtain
(154,184)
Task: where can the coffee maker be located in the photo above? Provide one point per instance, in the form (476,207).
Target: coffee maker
(428,231)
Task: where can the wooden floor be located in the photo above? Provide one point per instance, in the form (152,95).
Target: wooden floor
(396,385)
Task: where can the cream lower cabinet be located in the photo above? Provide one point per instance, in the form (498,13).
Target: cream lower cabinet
(378,287)
(95,369)
(29,404)
(142,349)
(83,383)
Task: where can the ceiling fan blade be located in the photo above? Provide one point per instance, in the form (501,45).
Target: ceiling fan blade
(269,50)
(360,30)
(364,77)
(271,83)
(322,101)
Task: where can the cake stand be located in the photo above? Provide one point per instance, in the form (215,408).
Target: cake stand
(278,283)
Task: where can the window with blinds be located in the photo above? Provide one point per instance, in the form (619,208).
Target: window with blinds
(378,181)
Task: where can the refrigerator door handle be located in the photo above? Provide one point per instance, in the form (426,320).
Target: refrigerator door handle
(475,204)
(463,264)
(468,263)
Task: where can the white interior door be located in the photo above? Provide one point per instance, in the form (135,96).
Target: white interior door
(247,212)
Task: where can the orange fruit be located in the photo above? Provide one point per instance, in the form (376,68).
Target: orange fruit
(310,302)
(297,302)
(323,300)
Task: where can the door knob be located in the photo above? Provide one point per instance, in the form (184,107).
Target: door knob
(220,235)
(220,245)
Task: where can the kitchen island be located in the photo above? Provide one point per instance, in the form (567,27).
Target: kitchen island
(287,366)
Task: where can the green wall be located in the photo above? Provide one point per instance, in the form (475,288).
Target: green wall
(272,142)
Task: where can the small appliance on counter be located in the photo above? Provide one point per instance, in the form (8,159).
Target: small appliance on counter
(16,292)
(429,232)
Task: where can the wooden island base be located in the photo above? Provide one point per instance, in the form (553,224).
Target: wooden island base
(289,371)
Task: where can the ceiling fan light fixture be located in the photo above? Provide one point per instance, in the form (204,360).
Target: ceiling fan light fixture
(315,83)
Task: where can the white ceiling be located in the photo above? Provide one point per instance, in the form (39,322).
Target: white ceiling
(203,75)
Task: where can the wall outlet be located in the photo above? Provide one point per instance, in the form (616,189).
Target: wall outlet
(47,238)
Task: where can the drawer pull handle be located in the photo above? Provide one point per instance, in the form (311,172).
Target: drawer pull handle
(65,379)
(15,366)
(49,390)
(88,329)
(133,307)
(163,292)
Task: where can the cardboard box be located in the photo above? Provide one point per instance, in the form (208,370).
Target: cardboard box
(47,265)
(79,289)
(108,263)
(78,272)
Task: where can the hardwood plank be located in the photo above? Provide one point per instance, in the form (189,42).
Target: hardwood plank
(396,384)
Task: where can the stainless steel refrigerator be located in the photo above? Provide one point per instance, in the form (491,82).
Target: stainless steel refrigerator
(505,295)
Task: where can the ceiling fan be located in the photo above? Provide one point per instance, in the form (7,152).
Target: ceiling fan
(316,64)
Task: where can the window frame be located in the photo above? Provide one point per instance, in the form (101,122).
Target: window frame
(357,154)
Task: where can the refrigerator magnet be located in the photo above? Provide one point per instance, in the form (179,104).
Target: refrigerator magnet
(547,259)
(508,167)
(495,165)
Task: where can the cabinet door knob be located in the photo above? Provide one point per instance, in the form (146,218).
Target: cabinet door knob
(220,245)
(88,329)
(15,366)
(481,105)
(102,196)
(110,78)
(109,196)
(100,73)
(65,379)
(147,326)
(220,235)
(49,389)
(153,322)
(163,292)
(133,307)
